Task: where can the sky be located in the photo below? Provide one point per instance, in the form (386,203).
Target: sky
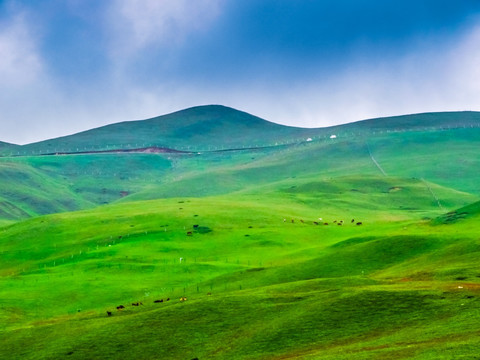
(72,65)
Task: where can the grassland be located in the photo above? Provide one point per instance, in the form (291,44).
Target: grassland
(242,235)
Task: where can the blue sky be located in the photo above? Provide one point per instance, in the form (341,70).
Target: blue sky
(71,65)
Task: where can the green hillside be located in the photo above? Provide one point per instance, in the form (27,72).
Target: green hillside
(7,148)
(471,211)
(200,128)
(423,121)
(100,178)
(287,243)
(215,127)
(278,288)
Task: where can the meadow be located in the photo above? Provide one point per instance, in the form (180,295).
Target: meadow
(358,247)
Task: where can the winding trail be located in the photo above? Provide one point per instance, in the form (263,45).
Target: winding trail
(433,194)
(375,161)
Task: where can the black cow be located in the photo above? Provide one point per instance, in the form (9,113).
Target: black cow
(359,223)
(158,301)
(109,313)
(120,307)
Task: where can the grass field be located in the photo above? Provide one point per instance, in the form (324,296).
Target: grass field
(243,235)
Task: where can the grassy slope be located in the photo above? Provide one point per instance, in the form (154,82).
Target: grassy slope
(295,289)
(95,179)
(27,191)
(212,127)
(398,286)
(198,128)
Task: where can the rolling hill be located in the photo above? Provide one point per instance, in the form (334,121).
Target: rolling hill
(287,243)
(215,127)
(159,157)
(200,128)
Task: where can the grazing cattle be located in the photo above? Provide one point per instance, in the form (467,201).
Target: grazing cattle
(209,293)
(109,313)
(168,299)
(325,223)
(120,307)
(195,226)
(316,223)
(158,301)
(334,221)
(189,233)
(340,223)
(137,304)
(353,220)
(359,223)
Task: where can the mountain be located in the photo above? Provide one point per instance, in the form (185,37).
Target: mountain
(212,234)
(422,121)
(198,128)
(215,127)
(7,148)
(185,154)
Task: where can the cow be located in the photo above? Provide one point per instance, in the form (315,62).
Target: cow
(158,301)
(137,304)
(189,233)
(120,307)
(316,223)
(168,299)
(353,220)
(325,223)
(359,223)
(109,313)
(195,226)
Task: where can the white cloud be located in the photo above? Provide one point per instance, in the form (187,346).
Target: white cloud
(137,24)
(20,62)
(432,78)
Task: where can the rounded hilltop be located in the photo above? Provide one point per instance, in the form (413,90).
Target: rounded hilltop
(201,127)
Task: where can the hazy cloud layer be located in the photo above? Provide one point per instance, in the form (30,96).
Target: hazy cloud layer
(70,66)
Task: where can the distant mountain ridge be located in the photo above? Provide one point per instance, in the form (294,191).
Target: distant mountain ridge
(216,127)
(203,127)
(6,144)
(420,121)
